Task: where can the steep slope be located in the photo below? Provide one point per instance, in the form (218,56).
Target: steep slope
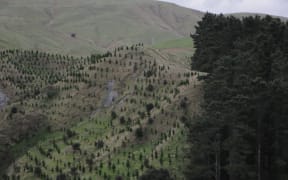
(63,108)
(82,27)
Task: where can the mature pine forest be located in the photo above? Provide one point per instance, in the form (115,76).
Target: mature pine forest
(242,132)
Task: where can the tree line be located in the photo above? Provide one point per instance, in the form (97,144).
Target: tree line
(242,132)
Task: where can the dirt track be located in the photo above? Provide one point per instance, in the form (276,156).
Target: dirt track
(111,94)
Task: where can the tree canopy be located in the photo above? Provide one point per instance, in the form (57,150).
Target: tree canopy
(156,174)
(242,133)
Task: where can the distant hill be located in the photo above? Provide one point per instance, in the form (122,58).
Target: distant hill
(244,14)
(81,27)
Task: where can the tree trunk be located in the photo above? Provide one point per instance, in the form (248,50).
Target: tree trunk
(259,145)
(259,161)
(218,159)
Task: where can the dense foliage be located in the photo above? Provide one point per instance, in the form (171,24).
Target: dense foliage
(242,133)
(156,174)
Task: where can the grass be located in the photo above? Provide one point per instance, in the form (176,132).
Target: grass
(119,158)
(98,25)
(83,94)
(183,43)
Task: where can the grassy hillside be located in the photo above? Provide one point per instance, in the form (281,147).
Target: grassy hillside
(177,50)
(185,43)
(56,101)
(96,116)
(82,27)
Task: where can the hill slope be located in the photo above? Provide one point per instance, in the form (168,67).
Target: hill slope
(85,113)
(82,27)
